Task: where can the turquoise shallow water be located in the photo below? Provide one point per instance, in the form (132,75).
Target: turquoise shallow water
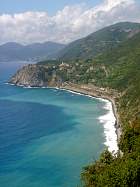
(46,135)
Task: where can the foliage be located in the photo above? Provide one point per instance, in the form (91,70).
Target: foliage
(98,42)
(123,64)
(119,172)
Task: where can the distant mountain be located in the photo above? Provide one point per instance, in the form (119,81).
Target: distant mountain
(36,51)
(85,48)
(100,41)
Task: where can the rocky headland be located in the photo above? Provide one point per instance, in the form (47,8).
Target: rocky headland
(35,75)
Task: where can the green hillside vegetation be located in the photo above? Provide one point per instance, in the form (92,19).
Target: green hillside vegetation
(98,42)
(44,62)
(123,65)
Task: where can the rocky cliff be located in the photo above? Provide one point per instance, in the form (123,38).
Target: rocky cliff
(36,76)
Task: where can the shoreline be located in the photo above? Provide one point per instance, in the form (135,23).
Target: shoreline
(93,92)
(109,131)
(107,99)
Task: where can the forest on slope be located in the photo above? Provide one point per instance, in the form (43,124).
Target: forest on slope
(123,66)
(99,41)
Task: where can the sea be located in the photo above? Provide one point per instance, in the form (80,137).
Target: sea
(47,135)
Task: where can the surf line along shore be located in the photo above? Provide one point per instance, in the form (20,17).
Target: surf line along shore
(112,129)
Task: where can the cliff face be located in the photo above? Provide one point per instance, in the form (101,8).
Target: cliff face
(29,75)
(35,76)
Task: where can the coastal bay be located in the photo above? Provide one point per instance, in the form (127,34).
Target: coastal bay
(48,134)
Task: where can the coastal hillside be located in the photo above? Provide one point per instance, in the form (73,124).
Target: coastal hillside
(100,41)
(13,51)
(115,72)
(123,66)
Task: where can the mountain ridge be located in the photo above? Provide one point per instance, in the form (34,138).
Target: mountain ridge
(14,51)
(99,41)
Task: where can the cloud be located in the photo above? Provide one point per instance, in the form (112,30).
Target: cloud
(69,24)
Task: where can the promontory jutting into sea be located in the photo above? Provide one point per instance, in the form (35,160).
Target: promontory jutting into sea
(70,93)
(50,129)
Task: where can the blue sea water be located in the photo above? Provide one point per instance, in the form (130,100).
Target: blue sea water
(46,135)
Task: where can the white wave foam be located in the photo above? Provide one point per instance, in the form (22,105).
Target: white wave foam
(9,84)
(109,120)
(30,87)
(78,93)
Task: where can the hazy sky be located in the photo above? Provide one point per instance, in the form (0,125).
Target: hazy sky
(28,21)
